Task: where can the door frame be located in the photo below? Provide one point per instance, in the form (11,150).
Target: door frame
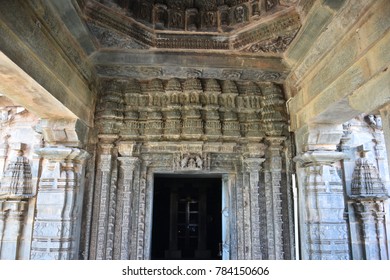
(228,207)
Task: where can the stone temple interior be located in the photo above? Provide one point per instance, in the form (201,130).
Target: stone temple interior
(193,129)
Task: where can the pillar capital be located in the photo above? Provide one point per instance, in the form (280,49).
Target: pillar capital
(254,150)
(316,158)
(59,153)
(64,132)
(253,164)
(314,137)
(275,141)
(126,148)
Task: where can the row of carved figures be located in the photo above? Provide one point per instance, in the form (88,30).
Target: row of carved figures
(197,15)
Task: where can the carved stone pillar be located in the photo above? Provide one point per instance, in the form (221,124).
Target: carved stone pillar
(252,230)
(99,236)
(273,194)
(125,216)
(138,242)
(323,228)
(56,211)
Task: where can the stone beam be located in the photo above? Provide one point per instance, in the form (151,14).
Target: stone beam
(18,86)
(351,78)
(317,16)
(40,44)
(71,15)
(169,64)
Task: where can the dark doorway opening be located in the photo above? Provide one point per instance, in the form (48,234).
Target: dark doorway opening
(187,221)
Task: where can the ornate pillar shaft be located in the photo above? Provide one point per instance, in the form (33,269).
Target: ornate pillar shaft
(252,228)
(380,231)
(273,177)
(370,215)
(99,236)
(124,207)
(141,215)
(56,213)
(324,230)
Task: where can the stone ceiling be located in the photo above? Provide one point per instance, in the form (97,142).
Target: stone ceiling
(220,39)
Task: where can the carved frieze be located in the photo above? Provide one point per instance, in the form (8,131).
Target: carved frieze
(165,25)
(109,38)
(278,44)
(169,72)
(191,109)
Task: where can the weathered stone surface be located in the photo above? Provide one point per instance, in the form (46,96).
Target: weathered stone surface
(338,86)
(194,88)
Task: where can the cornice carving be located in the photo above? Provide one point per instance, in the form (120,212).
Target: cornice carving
(172,25)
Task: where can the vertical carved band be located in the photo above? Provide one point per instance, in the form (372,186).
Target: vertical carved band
(100,217)
(253,166)
(124,206)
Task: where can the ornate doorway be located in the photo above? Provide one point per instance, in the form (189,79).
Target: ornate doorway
(199,129)
(187,222)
